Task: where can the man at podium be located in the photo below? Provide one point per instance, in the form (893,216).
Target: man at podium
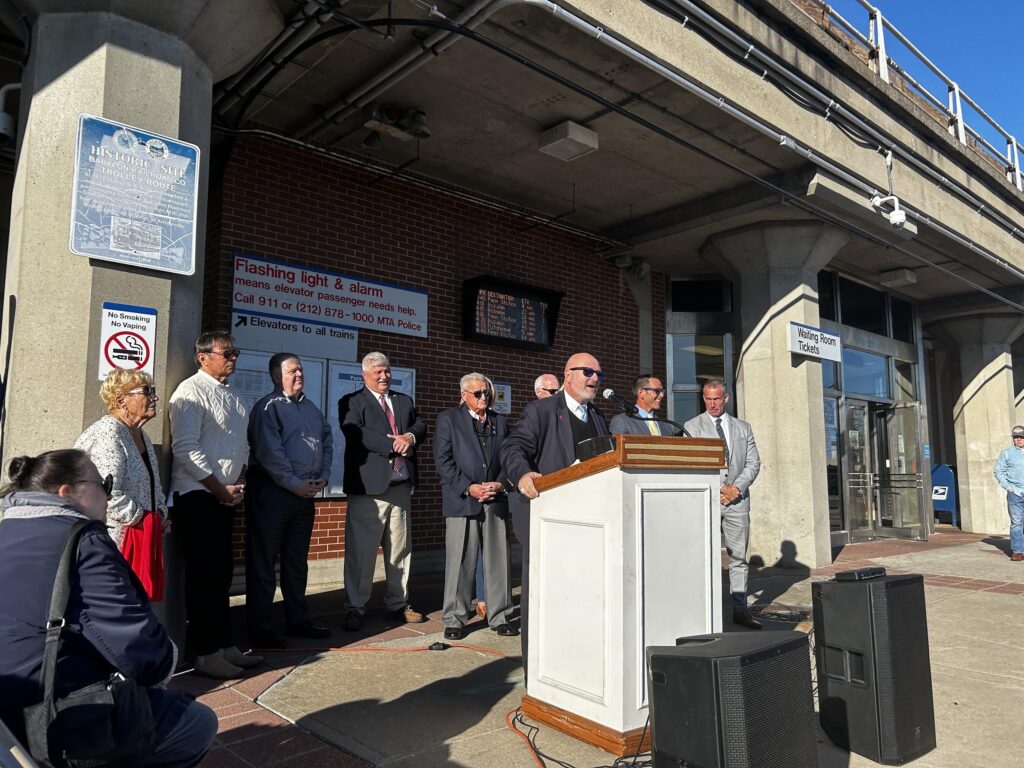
(545,440)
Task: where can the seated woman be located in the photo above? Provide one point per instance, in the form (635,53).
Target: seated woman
(110,624)
(136,512)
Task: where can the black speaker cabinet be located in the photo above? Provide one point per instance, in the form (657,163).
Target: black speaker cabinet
(874,673)
(735,700)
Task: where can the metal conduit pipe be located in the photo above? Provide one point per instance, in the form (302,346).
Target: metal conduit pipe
(832,106)
(409,62)
(300,28)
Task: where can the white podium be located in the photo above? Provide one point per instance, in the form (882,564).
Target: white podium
(625,553)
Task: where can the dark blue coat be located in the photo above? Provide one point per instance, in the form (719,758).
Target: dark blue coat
(368,450)
(460,461)
(110,625)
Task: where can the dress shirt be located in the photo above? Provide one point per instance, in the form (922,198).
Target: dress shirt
(578,408)
(1009,470)
(208,433)
(290,440)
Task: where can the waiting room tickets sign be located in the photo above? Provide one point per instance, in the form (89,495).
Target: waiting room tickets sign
(289,292)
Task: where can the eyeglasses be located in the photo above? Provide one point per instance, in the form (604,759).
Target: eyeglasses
(107,484)
(657,390)
(149,391)
(227,354)
(588,372)
(479,393)
(549,391)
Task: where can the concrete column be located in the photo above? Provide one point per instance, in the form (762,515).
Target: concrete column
(639,282)
(983,414)
(775,267)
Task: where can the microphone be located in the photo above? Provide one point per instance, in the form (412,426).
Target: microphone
(627,408)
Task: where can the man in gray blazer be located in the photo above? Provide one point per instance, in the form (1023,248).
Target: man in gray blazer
(649,394)
(742,465)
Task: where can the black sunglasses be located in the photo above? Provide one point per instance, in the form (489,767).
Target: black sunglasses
(107,483)
(549,391)
(227,354)
(479,393)
(588,371)
(149,390)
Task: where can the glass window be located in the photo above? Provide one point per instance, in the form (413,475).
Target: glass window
(862,307)
(701,296)
(829,380)
(906,389)
(865,373)
(684,406)
(695,359)
(827,295)
(835,516)
(902,320)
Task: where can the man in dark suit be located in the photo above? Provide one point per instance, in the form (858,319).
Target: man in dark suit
(649,395)
(467,454)
(742,465)
(545,440)
(381,431)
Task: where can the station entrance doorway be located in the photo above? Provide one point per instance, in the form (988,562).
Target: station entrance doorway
(881,463)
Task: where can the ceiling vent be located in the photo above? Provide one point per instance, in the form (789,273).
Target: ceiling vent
(567,141)
(898,278)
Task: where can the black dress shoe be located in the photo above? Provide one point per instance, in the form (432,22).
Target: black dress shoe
(268,638)
(353,621)
(309,629)
(745,619)
(505,630)
(454,633)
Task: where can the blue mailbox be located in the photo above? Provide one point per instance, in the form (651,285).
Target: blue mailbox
(944,492)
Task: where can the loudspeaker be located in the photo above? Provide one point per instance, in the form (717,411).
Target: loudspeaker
(739,700)
(874,673)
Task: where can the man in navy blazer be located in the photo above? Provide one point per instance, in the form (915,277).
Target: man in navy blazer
(545,440)
(467,454)
(381,431)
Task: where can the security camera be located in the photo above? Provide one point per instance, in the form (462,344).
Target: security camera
(898,218)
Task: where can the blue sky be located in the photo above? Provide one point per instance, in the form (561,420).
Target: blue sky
(975,44)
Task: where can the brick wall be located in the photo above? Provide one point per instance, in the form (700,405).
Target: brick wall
(301,208)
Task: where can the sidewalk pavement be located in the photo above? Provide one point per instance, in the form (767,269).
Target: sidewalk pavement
(378,698)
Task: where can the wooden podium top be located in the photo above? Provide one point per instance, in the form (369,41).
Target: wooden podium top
(644,452)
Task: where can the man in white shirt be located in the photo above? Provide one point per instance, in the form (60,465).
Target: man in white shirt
(742,463)
(210,449)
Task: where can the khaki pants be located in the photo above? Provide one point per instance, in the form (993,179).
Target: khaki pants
(373,521)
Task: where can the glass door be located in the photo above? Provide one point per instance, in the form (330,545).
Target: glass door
(857,469)
(900,481)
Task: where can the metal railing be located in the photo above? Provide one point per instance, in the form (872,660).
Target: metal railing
(952,109)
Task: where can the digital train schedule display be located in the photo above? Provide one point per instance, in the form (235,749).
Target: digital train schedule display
(498,311)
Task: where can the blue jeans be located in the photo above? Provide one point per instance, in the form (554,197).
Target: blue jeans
(1015,505)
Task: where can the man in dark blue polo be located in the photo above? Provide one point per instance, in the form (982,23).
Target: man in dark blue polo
(291,447)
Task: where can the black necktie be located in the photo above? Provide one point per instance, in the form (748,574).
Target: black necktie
(721,434)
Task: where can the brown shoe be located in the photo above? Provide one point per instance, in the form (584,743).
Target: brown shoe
(1017,557)
(481,609)
(407,615)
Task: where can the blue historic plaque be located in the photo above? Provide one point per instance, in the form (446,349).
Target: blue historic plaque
(134,197)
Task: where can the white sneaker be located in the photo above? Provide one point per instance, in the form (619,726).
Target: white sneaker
(239,659)
(216,666)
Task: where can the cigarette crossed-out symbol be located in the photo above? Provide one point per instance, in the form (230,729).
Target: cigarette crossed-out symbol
(126,350)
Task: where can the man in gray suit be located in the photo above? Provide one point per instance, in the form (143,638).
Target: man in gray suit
(649,395)
(742,465)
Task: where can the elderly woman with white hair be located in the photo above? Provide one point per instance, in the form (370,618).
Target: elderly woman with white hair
(136,512)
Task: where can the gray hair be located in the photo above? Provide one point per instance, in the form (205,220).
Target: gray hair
(375,358)
(538,383)
(715,384)
(474,377)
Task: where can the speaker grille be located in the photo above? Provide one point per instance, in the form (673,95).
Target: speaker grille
(757,696)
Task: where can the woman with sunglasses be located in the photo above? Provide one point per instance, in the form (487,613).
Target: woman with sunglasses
(110,625)
(136,513)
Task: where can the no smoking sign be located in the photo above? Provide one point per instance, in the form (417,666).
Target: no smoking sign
(127,338)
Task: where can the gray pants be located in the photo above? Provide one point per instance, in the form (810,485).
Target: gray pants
(464,537)
(736,537)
